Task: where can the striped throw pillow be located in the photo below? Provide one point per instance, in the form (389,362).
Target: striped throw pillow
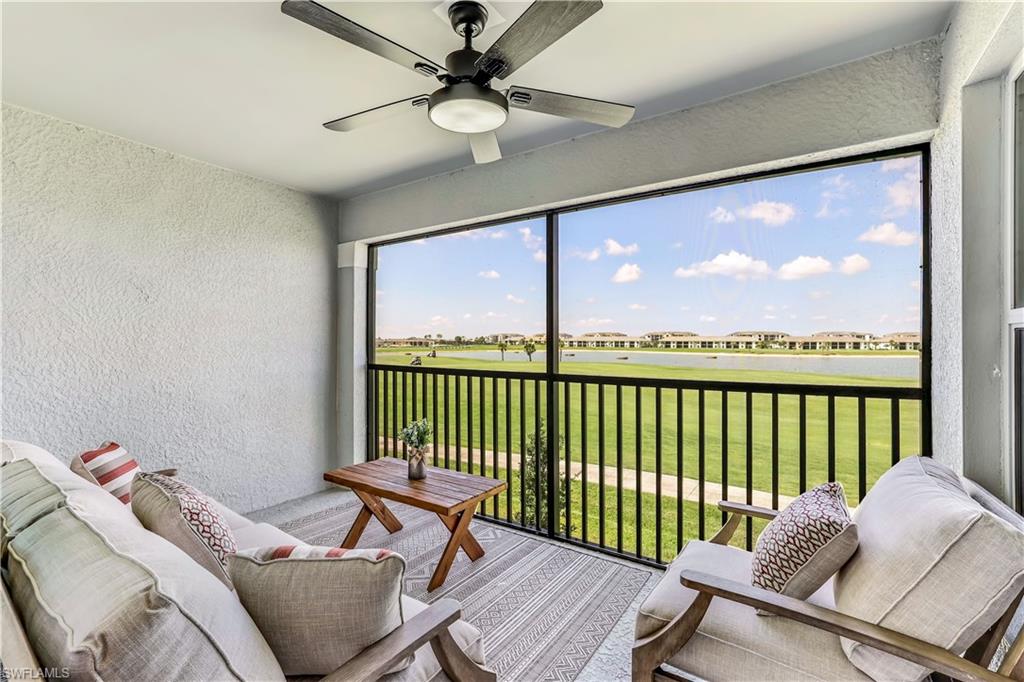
(110,467)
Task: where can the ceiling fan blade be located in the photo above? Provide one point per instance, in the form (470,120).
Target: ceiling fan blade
(328,21)
(353,121)
(570,106)
(485,147)
(543,22)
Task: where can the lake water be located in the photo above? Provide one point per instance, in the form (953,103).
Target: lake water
(888,366)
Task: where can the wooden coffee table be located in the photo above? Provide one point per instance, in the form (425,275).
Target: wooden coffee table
(452,495)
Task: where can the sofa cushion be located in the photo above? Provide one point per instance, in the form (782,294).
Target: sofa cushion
(318,607)
(110,467)
(106,599)
(180,513)
(262,535)
(805,544)
(732,641)
(932,563)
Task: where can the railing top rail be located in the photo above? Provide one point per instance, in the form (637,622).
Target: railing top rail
(839,391)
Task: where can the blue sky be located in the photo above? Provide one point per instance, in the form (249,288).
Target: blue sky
(836,249)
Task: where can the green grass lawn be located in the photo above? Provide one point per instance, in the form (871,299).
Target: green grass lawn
(677,447)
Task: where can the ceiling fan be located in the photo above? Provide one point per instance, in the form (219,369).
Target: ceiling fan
(466,102)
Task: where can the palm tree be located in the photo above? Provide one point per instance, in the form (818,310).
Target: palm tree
(503,347)
(529,349)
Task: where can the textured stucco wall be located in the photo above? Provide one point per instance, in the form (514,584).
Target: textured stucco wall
(181,309)
(972,27)
(882,100)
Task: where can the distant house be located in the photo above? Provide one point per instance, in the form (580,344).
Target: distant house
(768,336)
(599,340)
(415,341)
(730,342)
(656,337)
(899,341)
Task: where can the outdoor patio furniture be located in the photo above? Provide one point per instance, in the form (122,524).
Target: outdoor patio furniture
(934,585)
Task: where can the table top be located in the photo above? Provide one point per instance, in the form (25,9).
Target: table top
(443,491)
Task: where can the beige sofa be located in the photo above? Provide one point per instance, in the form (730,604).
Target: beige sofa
(89,593)
(939,571)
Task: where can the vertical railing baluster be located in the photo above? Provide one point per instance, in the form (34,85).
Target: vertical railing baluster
(568,458)
(405,408)
(537,454)
(831,438)
(700,464)
(385,424)
(584,460)
(508,449)
(394,413)
(862,449)
(458,423)
(749,437)
(803,443)
(413,395)
(600,465)
(618,467)
(494,440)
(657,474)
(447,414)
(469,422)
(894,425)
(423,393)
(638,392)
(724,450)
(775,450)
(433,405)
(679,469)
(483,437)
(522,452)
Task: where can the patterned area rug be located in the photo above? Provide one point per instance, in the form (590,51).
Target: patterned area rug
(543,608)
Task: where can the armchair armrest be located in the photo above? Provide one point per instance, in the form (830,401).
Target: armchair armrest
(747,510)
(737,511)
(892,642)
(167,472)
(430,625)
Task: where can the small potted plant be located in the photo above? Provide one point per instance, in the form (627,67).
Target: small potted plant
(415,436)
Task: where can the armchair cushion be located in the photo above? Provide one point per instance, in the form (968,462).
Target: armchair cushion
(732,641)
(932,563)
(319,606)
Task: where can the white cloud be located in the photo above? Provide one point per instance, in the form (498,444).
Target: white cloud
(722,215)
(439,321)
(499,234)
(629,272)
(707,318)
(591,300)
(819,318)
(826,210)
(489,274)
(613,248)
(467,316)
(684,308)
(804,266)
(771,317)
(772,213)
(594,321)
(853,264)
(591,255)
(514,299)
(915,285)
(637,306)
(819,295)
(836,187)
(889,234)
(902,163)
(493,316)
(732,264)
(904,194)
(769,308)
(540,256)
(531,240)
(677,245)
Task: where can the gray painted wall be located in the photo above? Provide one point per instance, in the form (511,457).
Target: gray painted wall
(972,28)
(186,311)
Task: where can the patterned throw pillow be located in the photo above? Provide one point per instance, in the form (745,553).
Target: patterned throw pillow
(806,544)
(318,607)
(110,467)
(183,515)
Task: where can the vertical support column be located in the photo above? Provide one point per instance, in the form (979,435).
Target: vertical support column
(551,357)
(354,311)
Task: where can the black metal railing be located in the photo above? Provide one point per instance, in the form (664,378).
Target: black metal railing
(635,466)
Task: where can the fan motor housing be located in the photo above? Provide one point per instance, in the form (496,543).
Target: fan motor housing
(468,17)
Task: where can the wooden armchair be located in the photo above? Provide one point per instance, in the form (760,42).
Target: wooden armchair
(687,641)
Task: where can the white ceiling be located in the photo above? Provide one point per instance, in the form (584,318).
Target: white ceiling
(245,87)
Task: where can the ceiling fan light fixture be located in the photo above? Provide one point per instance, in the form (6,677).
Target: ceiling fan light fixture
(468,108)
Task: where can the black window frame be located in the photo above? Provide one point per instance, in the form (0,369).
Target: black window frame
(552,375)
